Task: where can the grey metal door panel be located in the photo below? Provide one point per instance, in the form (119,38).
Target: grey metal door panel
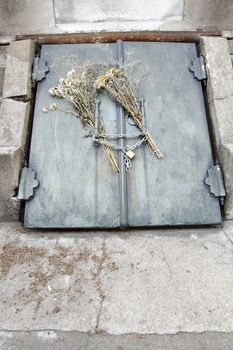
(77,187)
(171,191)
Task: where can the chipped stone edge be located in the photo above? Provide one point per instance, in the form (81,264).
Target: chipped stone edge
(23,111)
(14,46)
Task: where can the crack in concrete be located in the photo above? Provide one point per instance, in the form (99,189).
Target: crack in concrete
(100,290)
(168,266)
(219,98)
(174,282)
(228,237)
(184,10)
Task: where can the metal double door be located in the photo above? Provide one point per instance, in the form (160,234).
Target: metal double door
(77,187)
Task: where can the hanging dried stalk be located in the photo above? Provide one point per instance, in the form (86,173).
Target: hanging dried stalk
(76,89)
(116,83)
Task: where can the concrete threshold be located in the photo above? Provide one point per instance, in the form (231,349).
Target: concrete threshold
(50,340)
(143,282)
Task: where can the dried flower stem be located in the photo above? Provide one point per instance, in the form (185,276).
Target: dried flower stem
(116,84)
(75,89)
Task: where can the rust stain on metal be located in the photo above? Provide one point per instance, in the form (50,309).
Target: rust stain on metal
(104,37)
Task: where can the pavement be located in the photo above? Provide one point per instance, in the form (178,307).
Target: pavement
(153,287)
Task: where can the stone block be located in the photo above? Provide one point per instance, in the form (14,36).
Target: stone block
(227,34)
(2,73)
(219,68)
(10,165)
(17,82)
(220,101)
(7,39)
(230,45)
(14,117)
(221,114)
(3,55)
(72,11)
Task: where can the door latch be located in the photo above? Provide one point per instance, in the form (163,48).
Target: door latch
(198,68)
(40,68)
(214,181)
(28,183)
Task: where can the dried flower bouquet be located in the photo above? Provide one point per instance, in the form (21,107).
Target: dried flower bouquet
(78,89)
(116,83)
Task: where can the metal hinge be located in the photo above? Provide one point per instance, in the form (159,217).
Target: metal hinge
(214,181)
(198,68)
(27,184)
(40,68)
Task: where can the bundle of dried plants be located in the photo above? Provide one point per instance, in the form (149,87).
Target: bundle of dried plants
(78,89)
(116,83)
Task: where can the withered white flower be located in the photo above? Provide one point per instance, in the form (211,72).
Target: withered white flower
(45,110)
(52,92)
(62,82)
(71,73)
(77,88)
(53,106)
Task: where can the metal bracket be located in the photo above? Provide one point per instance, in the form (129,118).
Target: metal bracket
(40,68)
(27,184)
(198,68)
(214,181)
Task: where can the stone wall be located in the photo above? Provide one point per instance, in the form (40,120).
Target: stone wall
(14,119)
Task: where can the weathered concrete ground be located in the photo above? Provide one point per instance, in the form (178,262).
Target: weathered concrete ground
(134,282)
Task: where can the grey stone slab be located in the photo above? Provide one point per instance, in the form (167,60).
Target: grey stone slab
(34,16)
(3,55)
(227,34)
(178,287)
(221,114)
(31,16)
(144,281)
(101,11)
(219,68)
(14,117)
(220,101)
(51,340)
(7,39)
(17,81)
(210,13)
(228,230)
(230,45)
(57,283)
(10,164)
(2,74)
(206,15)
(227,162)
